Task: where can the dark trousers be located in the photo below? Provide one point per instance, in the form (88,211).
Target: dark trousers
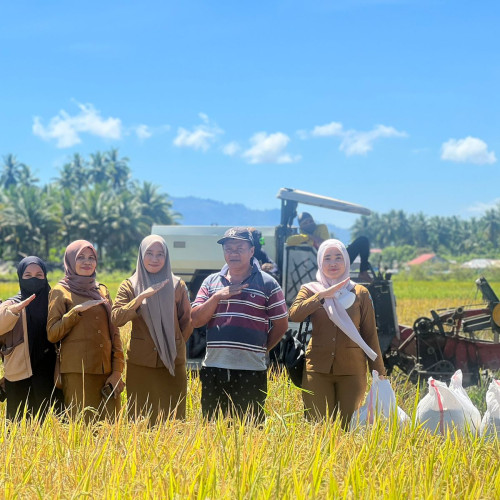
(360,246)
(239,393)
(36,393)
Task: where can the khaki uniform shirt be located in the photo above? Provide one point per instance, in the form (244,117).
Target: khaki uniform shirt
(330,349)
(142,350)
(87,346)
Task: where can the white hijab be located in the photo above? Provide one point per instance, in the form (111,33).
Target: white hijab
(336,306)
(158,310)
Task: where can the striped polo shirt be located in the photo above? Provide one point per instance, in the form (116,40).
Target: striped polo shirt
(237,332)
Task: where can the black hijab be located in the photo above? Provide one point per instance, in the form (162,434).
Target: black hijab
(36,311)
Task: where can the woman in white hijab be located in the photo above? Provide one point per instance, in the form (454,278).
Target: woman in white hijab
(157,304)
(343,339)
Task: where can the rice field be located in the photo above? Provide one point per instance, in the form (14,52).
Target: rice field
(287,457)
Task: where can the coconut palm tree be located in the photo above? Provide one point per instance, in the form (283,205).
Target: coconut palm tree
(155,206)
(118,171)
(11,171)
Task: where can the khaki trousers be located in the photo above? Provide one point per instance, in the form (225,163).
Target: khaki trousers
(82,391)
(331,395)
(154,392)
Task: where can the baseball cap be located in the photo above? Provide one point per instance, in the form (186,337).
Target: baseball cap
(237,233)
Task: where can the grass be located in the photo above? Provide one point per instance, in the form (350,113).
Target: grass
(287,458)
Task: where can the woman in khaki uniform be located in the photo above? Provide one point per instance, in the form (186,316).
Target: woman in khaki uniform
(157,304)
(79,318)
(343,339)
(29,358)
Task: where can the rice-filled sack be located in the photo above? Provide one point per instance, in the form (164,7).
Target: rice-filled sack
(490,425)
(472,414)
(380,403)
(442,409)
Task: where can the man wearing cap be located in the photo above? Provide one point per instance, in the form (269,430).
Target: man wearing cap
(314,234)
(246,316)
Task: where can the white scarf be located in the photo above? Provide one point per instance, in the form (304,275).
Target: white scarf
(336,306)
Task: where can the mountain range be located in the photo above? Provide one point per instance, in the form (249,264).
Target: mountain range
(205,212)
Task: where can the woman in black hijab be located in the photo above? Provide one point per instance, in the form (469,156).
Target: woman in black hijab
(29,358)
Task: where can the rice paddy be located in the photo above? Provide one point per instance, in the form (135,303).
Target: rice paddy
(287,457)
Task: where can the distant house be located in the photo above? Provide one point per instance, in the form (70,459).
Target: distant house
(424,259)
(481,263)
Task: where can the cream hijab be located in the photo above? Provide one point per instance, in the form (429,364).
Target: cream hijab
(336,306)
(158,310)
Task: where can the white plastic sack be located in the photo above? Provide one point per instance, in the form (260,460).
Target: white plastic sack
(442,409)
(380,402)
(472,414)
(490,425)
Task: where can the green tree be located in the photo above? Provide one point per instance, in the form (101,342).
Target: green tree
(11,171)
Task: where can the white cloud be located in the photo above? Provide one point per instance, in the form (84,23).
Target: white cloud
(231,148)
(333,128)
(201,137)
(481,207)
(143,132)
(359,143)
(269,149)
(67,129)
(468,150)
(354,142)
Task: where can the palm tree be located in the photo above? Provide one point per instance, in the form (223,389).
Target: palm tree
(26,176)
(491,225)
(128,228)
(419,228)
(11,171)
(95,215)
(98,168)
(74,175)
(155,207)
(118,170)
(28,220)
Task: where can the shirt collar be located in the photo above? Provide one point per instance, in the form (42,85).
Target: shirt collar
(255,269)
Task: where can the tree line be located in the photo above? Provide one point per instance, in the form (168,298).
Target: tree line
(444,235)
(94,199)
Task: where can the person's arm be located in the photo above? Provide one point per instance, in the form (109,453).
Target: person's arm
(60,322)
(277,313)
(184,311)
(278,329)
(304,305)
(8,318)
(117,356)
(125,307)
(204,307)
(368,330)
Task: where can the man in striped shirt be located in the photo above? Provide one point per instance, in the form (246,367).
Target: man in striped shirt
(246,316)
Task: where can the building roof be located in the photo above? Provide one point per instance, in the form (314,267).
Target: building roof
(425,257)
(481,263)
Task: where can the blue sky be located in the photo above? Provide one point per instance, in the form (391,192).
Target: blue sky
(389,104)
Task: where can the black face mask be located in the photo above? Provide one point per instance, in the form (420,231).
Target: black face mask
(32,285)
